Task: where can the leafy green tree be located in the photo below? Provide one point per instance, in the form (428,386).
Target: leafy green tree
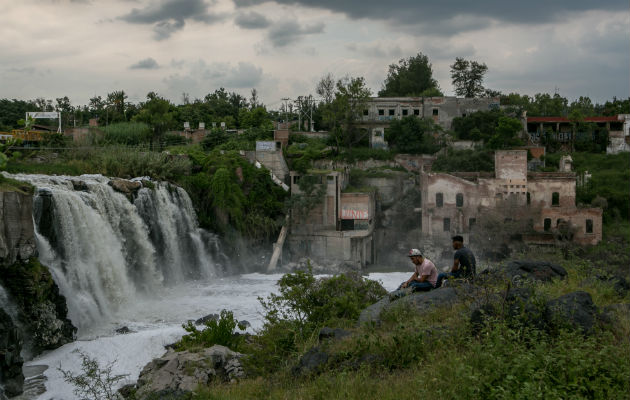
(326,88)
(254,118)
(116,106)
(468,77)
(480,125)
(158,113)
(344,112)
(412,76)
(506,134)
(616,107)
(412,135)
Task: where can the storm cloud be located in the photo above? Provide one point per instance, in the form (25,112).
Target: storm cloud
(285,33)
(147,63)
(451,16)
(252,20)
(169,16)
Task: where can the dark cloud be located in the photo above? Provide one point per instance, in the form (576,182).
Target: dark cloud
(285,33)
(376,50)
(147,63)
(252,20)
(451,16)
(169,16)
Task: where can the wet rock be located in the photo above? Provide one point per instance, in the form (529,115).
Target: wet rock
(311,362)
(575,310)
(126,187)
(79,185)
(245,324)
(182,372)
(17,235)
(207,318)
(123,330)
(11,376)
(335,334)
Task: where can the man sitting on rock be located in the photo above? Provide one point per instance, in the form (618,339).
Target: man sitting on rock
(464,263)
(425,275)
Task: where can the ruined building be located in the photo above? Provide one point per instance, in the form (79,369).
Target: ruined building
(540,206)
(380,111)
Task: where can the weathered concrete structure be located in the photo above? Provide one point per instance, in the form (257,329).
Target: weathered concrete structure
(457,203)
(338,228)
(380,111)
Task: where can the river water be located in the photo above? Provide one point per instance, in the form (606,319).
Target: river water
(157,321)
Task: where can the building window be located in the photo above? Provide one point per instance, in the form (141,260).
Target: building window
(381,111)
(589,226)
(459,200)
(405,111)
(529,198)
(439,199)
(416,111)
(366,112)
(330,178)
(547,224)
(447,224)
(392,111)
(471,222)
(296,179)
(435,112)
(555,199)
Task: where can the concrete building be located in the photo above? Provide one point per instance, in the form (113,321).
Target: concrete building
(338,228)
(380,111)
(544,202)
(563,130)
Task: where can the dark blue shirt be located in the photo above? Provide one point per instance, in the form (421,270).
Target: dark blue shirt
(467,262)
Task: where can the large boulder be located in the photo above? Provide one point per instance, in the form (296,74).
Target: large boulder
(128,188)
(545,271)
(574,310)
(182,372)
(17,234)
(311,362)
(11,376)
(421,302)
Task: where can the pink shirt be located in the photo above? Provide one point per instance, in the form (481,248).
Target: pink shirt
(427,268)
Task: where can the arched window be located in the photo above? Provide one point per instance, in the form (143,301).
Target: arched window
(547,224)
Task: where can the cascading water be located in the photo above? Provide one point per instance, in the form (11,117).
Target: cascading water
(105,251)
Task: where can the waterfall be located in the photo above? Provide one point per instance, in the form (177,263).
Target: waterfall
(104,250)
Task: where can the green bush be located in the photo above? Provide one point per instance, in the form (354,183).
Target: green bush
(217,331)
(464,161)
(127,133)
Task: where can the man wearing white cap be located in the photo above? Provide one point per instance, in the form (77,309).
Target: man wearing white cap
(425,275)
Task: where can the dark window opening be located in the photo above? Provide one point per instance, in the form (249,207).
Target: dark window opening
(555,199)
(435,111)
(471,222)
(296,179)
(464,115)
(330,178)
(439,199)
(507,220)
(459,200)
(381,111)
(365,112)
(559,222)
(589,226)
(405,111)
(416,112)
(392,111)
(447,224)
(347,224)
(529,198)
(547,224)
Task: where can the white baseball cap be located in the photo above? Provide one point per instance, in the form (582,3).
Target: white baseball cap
(414,253)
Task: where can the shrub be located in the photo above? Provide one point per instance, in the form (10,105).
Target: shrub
(217,331)
(95,382)
(127,133)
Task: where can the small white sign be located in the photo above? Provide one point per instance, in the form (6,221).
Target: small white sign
(265,146)
(43,115)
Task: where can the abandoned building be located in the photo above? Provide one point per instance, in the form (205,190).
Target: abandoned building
(540,206)
(338,228)
(380,111)
(564,130)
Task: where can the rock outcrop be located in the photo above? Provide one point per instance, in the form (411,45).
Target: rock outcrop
(126,187)
(420,301)
(11,377)
(182,372)
(17,236)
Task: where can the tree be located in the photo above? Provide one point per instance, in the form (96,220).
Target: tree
(410,77)
(412,135)
(345,110)
(507,133)
(158,113)
(326,88)
(467,77)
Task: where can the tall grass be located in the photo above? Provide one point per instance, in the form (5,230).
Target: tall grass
(127,133)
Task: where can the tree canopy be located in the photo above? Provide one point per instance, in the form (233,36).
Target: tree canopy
(412,135)
(468,77)
(412,76)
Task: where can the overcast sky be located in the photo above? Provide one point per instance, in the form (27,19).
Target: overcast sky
(82,48)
